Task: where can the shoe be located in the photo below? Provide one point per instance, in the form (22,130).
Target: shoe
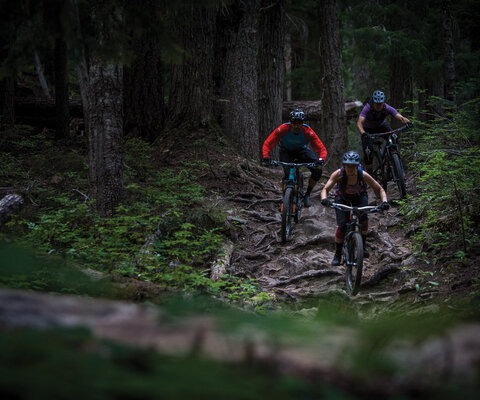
(336,260)
(306,201)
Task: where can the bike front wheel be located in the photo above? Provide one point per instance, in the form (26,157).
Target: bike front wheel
(399,175)
(288,214)
(353,259)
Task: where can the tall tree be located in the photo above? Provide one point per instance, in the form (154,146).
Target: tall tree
(191,84)
(101,86)
(240,88)
(333,121)
(271,66)
(103,89)
(449,53)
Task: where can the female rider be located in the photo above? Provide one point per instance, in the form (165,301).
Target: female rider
(351,190)
(373,119)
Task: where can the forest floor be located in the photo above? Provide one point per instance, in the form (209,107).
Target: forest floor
(300,271)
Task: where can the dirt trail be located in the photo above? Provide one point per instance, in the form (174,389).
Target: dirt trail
(301,268)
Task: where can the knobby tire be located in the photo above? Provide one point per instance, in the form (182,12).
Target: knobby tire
(353,257)
(299,199)
(287,214)
(400,175)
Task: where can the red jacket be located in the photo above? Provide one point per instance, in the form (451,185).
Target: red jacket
(294,142)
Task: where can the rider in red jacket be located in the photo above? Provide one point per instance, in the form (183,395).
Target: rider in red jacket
(299,143)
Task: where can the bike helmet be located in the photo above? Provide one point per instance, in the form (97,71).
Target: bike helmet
(351,157)
(378,96)
(297,116)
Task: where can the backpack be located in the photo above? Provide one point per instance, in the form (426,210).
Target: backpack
(343,181)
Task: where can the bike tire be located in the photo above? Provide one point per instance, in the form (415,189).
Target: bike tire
(353,259)
(380,172)
(400,175)
(287,214)
(299,199)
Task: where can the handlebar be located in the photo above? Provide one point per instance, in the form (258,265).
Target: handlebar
(290,164)
(402,128)
(344,207)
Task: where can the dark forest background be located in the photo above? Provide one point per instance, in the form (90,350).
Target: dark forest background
(117,118)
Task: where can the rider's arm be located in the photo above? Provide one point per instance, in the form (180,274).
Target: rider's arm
(394,112)
(360,125)
(315,143)
(401,118)
(273,139)
(376,187)
(334,177)
(361,118)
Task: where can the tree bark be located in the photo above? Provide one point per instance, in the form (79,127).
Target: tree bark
(449,54)
(104,110)
(144,103)
(61,89)
(333,120)
(240,87)
(192,94)
(271,66)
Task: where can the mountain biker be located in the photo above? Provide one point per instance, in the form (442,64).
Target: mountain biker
(298,143)
(351,189)
(373,119)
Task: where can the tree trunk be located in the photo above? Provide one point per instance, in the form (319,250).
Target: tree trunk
(271,66)
(8,101)
(143,97)
(449,55)
(192,94)
(104,110)
(333,121)
(400,85)
(240,90)
(61,89)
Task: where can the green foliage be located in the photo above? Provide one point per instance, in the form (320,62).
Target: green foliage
(447,206)
(166,231)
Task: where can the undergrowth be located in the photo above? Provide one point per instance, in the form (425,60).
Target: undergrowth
(166,231)
(446,209)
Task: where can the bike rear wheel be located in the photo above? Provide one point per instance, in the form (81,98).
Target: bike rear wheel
(399,174)
(288,213)
(353,259)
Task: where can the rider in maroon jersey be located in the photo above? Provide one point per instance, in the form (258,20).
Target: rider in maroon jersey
(298,143)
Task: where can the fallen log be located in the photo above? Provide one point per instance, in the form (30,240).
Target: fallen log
(313,109)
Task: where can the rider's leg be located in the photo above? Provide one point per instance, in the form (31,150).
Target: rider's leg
(364,221)
(312,181)
(342,217)
(367,153)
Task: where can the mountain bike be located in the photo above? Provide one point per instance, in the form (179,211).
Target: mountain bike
(387,163)
(352,251)
(292,196)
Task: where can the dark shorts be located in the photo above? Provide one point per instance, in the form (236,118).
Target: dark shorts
(302,156)
(344,216)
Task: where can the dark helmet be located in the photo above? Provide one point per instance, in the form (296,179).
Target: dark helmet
(351,157)
(378,96)
(297,116)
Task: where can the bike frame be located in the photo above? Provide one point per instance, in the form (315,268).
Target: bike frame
(352,251)
(388,151)
(292,196)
